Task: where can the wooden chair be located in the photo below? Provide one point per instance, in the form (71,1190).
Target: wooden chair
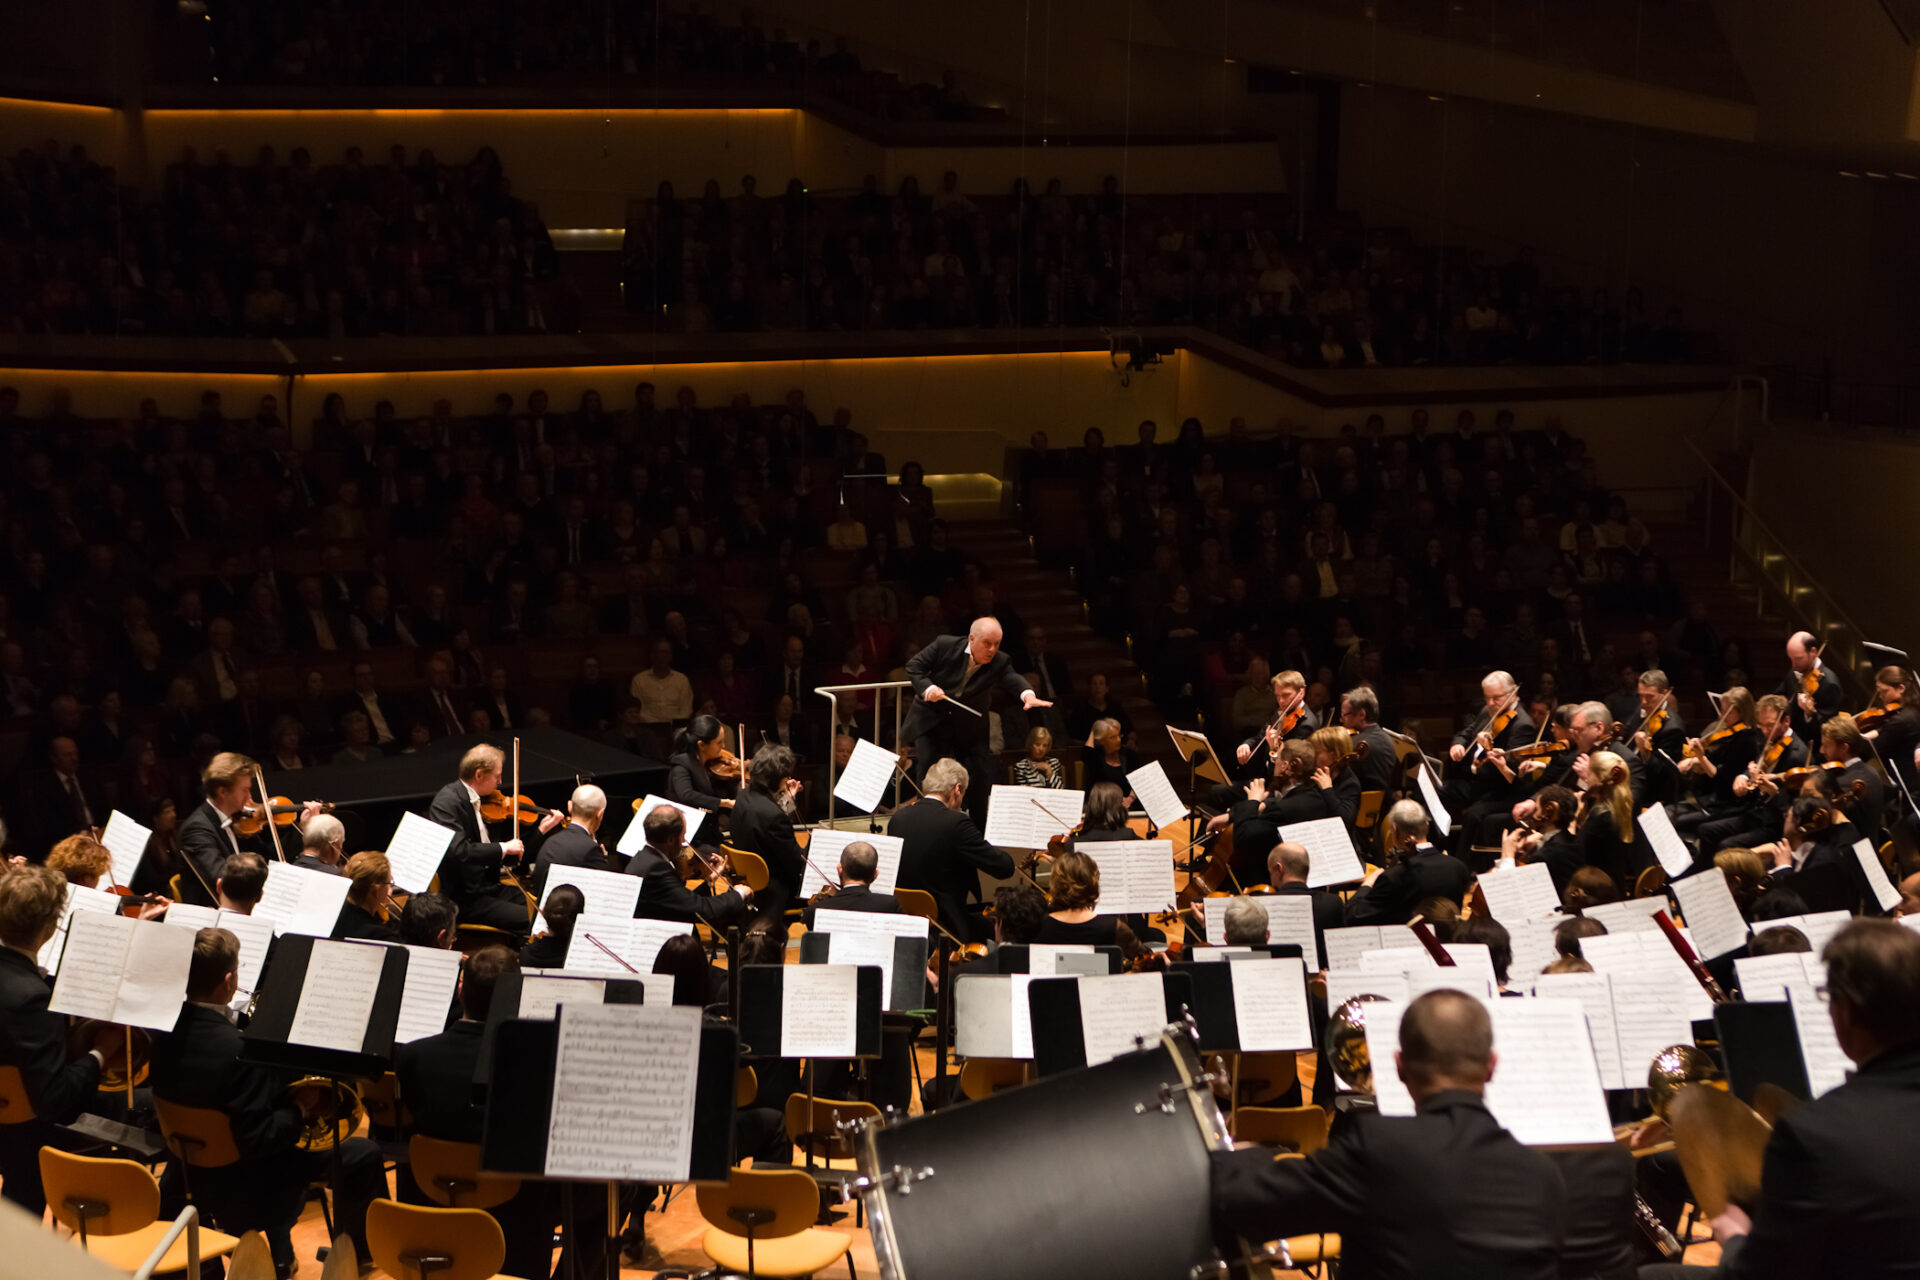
(1262,1076)
(761,1222)
(814,1125)
(917,902)
(381,1097)
(1650,882)
(15,1106)
(114,1206)
(448,1173)
(1301,1129)
(175,888)
(420,1242)
(1313,1253)
(746,1086)
(749,868)
(1371,803)
(983,1077)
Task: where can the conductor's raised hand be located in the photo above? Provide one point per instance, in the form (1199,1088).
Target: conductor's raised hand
(1030,700)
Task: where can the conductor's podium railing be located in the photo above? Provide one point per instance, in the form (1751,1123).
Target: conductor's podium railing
(901,692)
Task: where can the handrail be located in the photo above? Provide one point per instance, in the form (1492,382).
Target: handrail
(1824,621)
(832,692)
(189,1222)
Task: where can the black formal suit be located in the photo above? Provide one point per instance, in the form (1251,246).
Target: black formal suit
(1563,856)
(1056,680)
(937,730)
(941,853)
(1601,1234)
(356,922)
(763,827)
(1393,896)
(51,811)
(1601,846)
(470,869)
(34,1041)
(571,846)
(665,896)
(1826,877)
(1826,702)
(854,896)
(206,843)
(198,1064)
(1661,761)
(1377,771)
(1837,1200)
(689,783)
(1869,811)
(1256,825)
(448,721)
(1444,1195)
(1302,728)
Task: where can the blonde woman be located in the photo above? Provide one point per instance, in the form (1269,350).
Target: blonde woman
(1609,837)
(1040,768)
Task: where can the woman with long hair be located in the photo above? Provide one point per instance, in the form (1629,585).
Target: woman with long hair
(365,914)
(1609,837)
(1719,755)
(698,750)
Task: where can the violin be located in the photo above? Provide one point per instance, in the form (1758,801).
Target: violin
(1714,739)
(501,807)
(1806,771)
(714,871)
(252,819)
(1545,749)
(724,765)
(1874,717)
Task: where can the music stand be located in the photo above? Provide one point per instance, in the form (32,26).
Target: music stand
(908,994)
(762,1004)
(1017,957)
(1213,1007)
(1760,1044)
(1059,1042)
(509,989)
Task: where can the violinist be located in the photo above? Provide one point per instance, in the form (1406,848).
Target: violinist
(207,835)
(323,845)
(1416,871)
(84,861)
(33,1040)
(663,893)
(578,843)
(1291,720)
(763,817)
(1609,836)
(1019,914)
(1813,856)
(470,869)
(1547,838)
(1895,735)
(859,867)
(1841,742)
(1360,714)
(1660,736)
(1301,791)
(703,774)
(1502,722)
(1485,785)
(366,913)
(1759,809)
(1716,759)
(1333,772)
(1811,690)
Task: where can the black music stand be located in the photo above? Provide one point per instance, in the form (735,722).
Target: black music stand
(1760,1044)
(1016,957)
(1053,1004)
(506,1007)
(1213,1009)
(762,999)
(909,991)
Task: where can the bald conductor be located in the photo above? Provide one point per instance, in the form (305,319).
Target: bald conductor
(962,670)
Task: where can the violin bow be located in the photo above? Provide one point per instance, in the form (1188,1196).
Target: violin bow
(266,811)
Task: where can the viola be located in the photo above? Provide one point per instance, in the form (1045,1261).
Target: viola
(1545,749)
(1874,717)
(501,807)
(1714,739)
(252,819)
(724,765)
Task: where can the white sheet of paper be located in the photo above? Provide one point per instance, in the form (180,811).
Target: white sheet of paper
(433,975)
(1028,817)
(1118,1010)
(1043,958)
(301,901)
(1633,915)
(990,1016)
(1270,1006)
(1827,1064)
(94,965)
(1289,920)
(824,846)
(863,783)
(623,1087)
(636,835)
(637,942)
(417,847)
(1668,847)
(126,840)
(1818,928)
(1344,984)
(1650,952)
(853,949)
(1883,891)
(1383,1041)
(1522,893)
(1346,945)
(1533,949)
(1712,916)
(1156,795)
(188,916)
(78,900)
(1765,979)
(1430,793)
(1136,876)
(541,995)
(1330,855)
(610,895)
(1594,992)
(337,998)
(1655,997)
(872,923)
(1547,1090)
(819,1011)
(256,934)
(155,984)
(1216,955)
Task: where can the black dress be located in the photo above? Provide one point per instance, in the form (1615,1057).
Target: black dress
(1098,932)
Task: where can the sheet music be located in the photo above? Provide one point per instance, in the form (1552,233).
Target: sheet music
(433,976)
(824,846)
(1546,1088)
(638,942)
(1212,955)
(1634,915)
(336,1000)
(623,1089)
(819,1011)
(126,840)
(1344,984)
(1270,1006)
(1028,817)
(1765,979)
(863,782)
(1156,795)
(854,949)
(870,922)
(1711,913)
(1654,1004)
(1289,920)
(990,1016)
(255,933)
(1594,992)
(1819,927)
(1118,1010)
(1043,958)
(187,915)
(1649,953)
(1522,893)
(78,900)
(1445,978)
(415,852)
(610,895)
(1136,876)
(1330,856)
(1383,1041)
(541,997)
(1668,847)
(301,901)
(94,965)
(636,833)
(1883,891)
(1345,946)
(1430,793)
(1827,1064)
(1533,949)
(1189,744)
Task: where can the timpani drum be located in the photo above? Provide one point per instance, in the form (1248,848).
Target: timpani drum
(1087,1175)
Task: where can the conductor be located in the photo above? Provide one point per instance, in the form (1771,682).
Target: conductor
(961,674)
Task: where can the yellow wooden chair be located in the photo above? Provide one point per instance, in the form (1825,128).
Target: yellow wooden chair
(1301,1129)
(748,868)
(1309,1252)
(420,1242)
(746,1086)
(761,1222)
(15,1106)
(984,1077)
(917,902)
(1263,1076)
(1651,882)
(113,1206)
(1371,803)
(814,1125)
(448,1173)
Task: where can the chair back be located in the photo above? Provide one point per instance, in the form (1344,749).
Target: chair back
(815,1123)
(176,888)
(199,1136)
(746,1087)
(98,1197)
(982,1077)
(252,1259)
(761,1203)
(15,1106)
(448,1173)
(1303,1129)
(1650,882)
(748,868)
(1371,803)
(420,1242)
(917,902)
(1262,1075)
(380,1095)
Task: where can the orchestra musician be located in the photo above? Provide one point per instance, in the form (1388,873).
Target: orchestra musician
(859,867)
(578,843)
(699,749)
(1291,720)
(207,836)
(1717,759)
(1548,840)
(942,851)
(1360,714)
(323,845)
(1608,834)
(366,914)
(1811,690)
(1301,790)
(663,892)
(1416,871)
(763,817)
(33,1040)
(470,869)
(1287,869)
(1484,786)
(1842,743)
(242,883)
(964,669)
(1759,809)
(1661,736)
